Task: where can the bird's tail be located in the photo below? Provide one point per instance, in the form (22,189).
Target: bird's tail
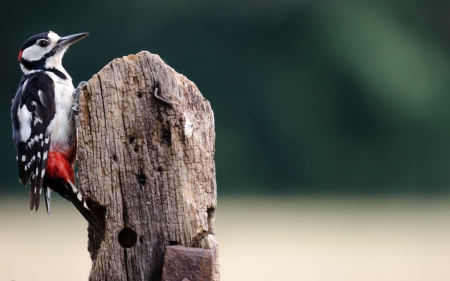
(71,193)
(78,201)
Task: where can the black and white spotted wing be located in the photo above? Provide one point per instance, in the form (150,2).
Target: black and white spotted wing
(32,111)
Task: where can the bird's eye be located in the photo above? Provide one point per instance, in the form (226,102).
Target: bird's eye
(43,43)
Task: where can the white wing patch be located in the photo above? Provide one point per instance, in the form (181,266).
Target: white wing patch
(25,122)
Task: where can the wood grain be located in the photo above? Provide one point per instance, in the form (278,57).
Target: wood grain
(145,166)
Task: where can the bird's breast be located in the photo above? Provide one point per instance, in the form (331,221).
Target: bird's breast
(61,128)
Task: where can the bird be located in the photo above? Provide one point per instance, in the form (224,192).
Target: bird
(44,129)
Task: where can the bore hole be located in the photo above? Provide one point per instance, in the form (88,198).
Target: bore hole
(131,138)
(127,237)
(136,149)
(142,179)
(139,95)
(114,158)
(167,137)
(160,169)
(141,239)
(171,243)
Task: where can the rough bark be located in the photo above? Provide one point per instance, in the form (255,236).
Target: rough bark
(146,166)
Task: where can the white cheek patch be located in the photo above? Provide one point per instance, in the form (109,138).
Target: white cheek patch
(34,52)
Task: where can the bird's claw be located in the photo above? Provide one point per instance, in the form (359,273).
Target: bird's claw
(76,98)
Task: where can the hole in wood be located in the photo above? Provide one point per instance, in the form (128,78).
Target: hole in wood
(127,237)
(142,179)
(167,137)
(159,169)
(115,158)
(141,239)
(139,95)
(131,139)
(171,243)
(136,148)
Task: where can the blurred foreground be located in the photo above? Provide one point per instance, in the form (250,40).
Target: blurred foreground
(260,239)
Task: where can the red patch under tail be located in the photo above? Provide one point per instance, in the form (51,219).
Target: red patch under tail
(58,166)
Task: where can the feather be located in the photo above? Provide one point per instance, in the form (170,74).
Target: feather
(68,190)
(32,112)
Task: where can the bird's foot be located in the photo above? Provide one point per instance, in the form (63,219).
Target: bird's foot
(76,98)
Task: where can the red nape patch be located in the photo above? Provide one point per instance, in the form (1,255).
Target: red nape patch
(58,166)
(20,55)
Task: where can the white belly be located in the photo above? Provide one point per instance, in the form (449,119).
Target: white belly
(60,128)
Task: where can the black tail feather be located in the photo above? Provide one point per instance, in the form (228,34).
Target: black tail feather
(83,209)
(71,193)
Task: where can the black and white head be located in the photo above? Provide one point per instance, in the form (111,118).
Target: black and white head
(45,51)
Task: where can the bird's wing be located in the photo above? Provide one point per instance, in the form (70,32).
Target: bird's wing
(32,111)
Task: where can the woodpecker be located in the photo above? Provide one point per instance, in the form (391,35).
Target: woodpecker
(44,130)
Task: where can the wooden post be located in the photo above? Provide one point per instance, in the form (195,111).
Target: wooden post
(145,157)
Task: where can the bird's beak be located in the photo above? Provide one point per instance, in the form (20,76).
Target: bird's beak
(66,41)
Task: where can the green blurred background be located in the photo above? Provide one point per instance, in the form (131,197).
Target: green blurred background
(310,97)
(332,122)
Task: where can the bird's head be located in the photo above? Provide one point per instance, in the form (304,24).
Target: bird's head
(45,50)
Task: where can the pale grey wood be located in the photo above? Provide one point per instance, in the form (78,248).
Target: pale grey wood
(146,165)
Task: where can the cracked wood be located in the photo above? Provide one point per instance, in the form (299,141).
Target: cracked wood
(146,166)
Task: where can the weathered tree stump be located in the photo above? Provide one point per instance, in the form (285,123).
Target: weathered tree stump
(145,156)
